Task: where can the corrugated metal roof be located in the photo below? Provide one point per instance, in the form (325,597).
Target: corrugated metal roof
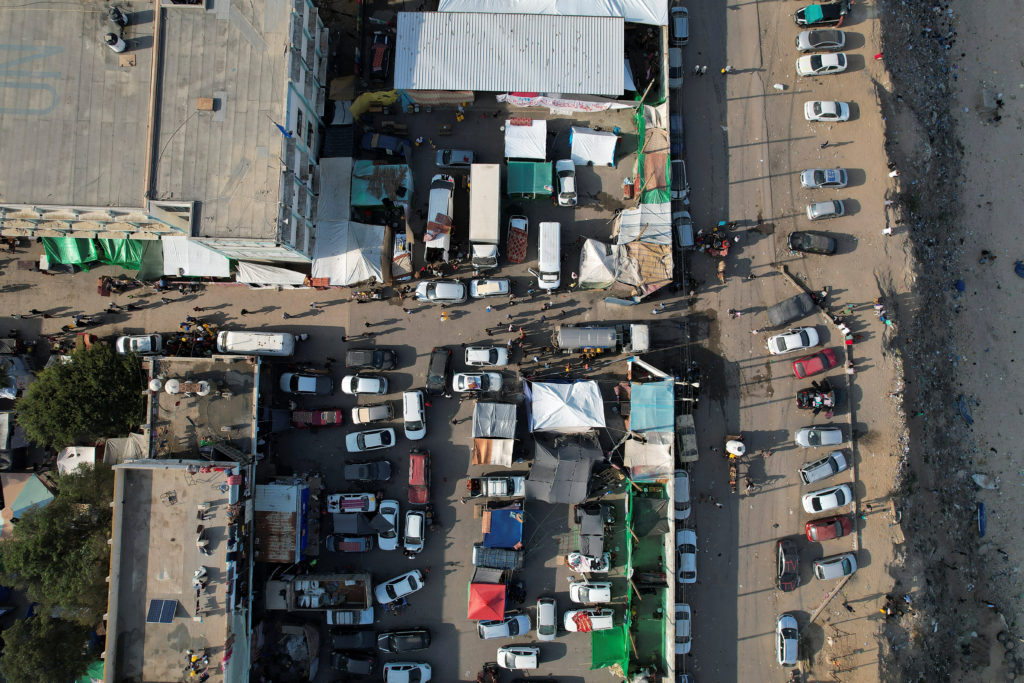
(639,11)
(509,53)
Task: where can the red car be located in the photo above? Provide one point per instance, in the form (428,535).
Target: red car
(316,418)
(827,528)
(419,477)
(823,360)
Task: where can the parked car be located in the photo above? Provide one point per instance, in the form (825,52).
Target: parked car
(686,555)
(398,587)
(373,412)
(831,464)
(414,414)
(389,510)
(682,223)
(466,382)
(679,20)
(341,543)
(787,568)
(492,356)
(373,470)
(406,672)
(835,566)
(816,363)
(142,344)
(820,211)
(519,657)
(787,640)
(811,242)
(415,532)
(547,624)
(351,502)
(419,476)
(821,65)
(824,14)
(307,383)
(354,663)
(590,592)
(565,171)
(679,184)
(821,178)
(682,491)
(827,499)
(601,619)
(828,528)
(348,639)
(454,158)
(675,68)
(683,626)
(438,369)
(510,626)
(324,417)
(369,440)
(408,640)
(677,138)
(813,437)
(481,288)
(371,359)
(821,40)
(441,292)
(826,110)
(388,144)
(796,339)
(354,385)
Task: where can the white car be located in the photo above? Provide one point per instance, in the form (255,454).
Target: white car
(787,640)
(483,356)
(142,344)
(682,628)
(354,385)
(399,587)
(796,339)
(820,65)
(519,657)
(547,624)
(511,626)
(441,292)
(835,566)
(827,499)
(414,415)
(406,672)
(826,110)
(821,178)
(370,440)
(832,464)
(415,529)
(813,437)
(388,540)
(682,503)
(821,40)
(601,618)
(591,592)
(478,381)
(686,555)
(483,288)
(565,170)
(822,210)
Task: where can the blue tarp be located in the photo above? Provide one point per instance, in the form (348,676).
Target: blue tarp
(506,529)
(651,407)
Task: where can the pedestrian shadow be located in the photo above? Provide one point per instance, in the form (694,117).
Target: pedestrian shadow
(214,308)
(265,309)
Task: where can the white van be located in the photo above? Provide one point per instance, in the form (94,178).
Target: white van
(414,415)
(256,343)
(549,263)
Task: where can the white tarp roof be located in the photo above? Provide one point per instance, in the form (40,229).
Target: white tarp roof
(651,223)
(497,452)
(192,258)
(73,457)
(348,252)
(526,142)
(335,189)
(565,408)
(509,53)
(593,146)
(261,274)
(637,11)
(597,265)
(494,420)
(651,460)
(135,446)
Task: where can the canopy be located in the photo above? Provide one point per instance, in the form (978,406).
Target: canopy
(33,494)
(637,11)
(561,472)
(528,180)
(125,253)
(497,452)
(486,601)
(651,406)
(359,523)
(73,457)
(503,528)
(494,420)
(122,449)
(650,223)
(526,139)
(151,265)
(94,674)
(597,265)
(184,256)
(565,408)
(650,516)
(372,181)
(652,163)
(651,460)
(348,253)
(592,147)
(70,250)
(261,274)
(648,267)
(333,203)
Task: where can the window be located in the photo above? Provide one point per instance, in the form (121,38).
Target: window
(309,135)
(298,120)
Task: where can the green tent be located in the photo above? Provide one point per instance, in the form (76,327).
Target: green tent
(93,673)
(124,253)
(70,250)
(656,195)
(529,179)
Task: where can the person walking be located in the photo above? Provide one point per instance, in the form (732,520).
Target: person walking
(824,144)
(166,300)
(314,305)
(285,315)
(198,309)
(367,325)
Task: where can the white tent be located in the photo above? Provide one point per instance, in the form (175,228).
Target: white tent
(650,460)
(595,147)
(348,253)
(526,141)
(637,11)
(261,274)
(597,265)
(135,446)
(651,223)
(73,457)
(566,408)
(186,256)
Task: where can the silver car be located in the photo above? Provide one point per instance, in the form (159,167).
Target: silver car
(835,566)
(821,178)
(823,468)
(511,626)
(821,65)
(813,437)
(821,40)
(826,110)
(822,210)
(441,292)
(787,640)
(827,499)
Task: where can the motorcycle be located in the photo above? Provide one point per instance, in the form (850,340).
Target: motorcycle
(734,475)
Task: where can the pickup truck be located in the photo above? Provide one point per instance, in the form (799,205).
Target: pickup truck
(827,14)
(497,558)
(497,487)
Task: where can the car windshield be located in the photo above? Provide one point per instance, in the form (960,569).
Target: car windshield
(513,627)
(385,438)
(805,339)
(840,498)
(847,567)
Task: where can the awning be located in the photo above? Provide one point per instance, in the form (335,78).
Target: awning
(486,601)
(70,250)
(650,460)
(348,253)
(73,457)
(597,265)
(497,452)
(651,406)
(494,420)
(186,257)
(528,179)
(650,223)
(592,146)
(526,139)
(262,274)
(125,253)
(565,408)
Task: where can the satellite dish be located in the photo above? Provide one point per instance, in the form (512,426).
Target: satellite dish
(155,384)
(172,386)
(204,388)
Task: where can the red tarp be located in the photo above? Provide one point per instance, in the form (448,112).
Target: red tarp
(583,623)
(486,601)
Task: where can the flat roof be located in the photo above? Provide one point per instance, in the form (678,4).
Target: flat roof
(509,52)
(72,114)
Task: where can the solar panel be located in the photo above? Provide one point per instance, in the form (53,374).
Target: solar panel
(161,611)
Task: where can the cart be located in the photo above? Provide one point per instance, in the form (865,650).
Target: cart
(734,446)
(517,239)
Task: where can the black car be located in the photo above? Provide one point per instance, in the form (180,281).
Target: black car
(354,663)
(822,14)
(346,639)
(811,242)
(371,359)
(438,369)
(788,570)
(404,641)
(375,470)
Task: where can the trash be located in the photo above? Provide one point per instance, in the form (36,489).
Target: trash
(986,482)
(961,405)
(1018,268)
(981,520)
(779,86)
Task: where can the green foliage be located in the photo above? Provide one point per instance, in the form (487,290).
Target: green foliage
(43,650)
(58,554)
(98,393)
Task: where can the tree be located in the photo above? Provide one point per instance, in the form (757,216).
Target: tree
(97,393)
(43,649)
(58,554)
